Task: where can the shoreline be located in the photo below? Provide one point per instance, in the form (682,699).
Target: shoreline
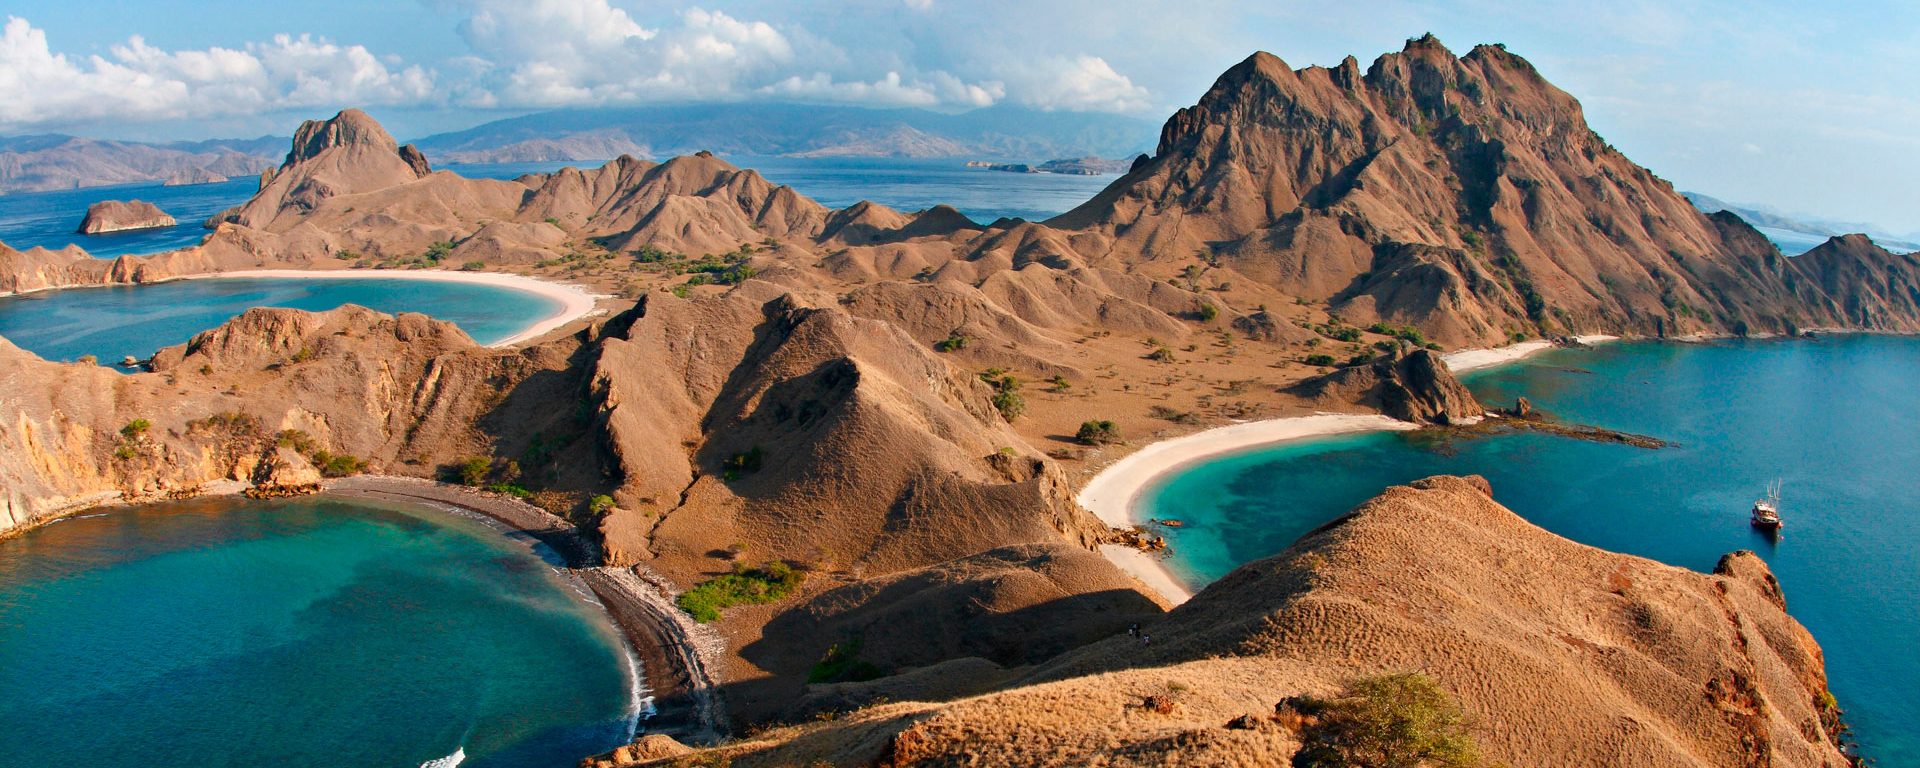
(1114,492)
(675,654)
(679,695)
(1476,358)
(575,302)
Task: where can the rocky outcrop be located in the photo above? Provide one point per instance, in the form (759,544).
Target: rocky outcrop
(1562,654)
(122,216)
(348,154)
(1411,386)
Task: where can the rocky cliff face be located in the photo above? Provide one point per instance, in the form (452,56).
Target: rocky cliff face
(1564,655)
(122,216)
(404,393)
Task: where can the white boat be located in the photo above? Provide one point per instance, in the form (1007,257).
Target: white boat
(1766,512)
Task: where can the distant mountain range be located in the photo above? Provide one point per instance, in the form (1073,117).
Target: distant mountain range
(1765,216)
(798,130)
(53,161)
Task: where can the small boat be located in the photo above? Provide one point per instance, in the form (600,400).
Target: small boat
(1766,512)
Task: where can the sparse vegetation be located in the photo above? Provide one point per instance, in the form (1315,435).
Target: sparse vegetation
(474,471)
(1320,360)
(473,266)
(338,464)
(600,505)
(1401,720)
(744,462)
(842,664)
(1006,393)
(1161,355)
(135,429)
(1097,432)
(954,342)
(744,586)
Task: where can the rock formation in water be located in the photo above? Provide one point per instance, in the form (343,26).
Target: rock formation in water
(1411,386)
(1561,654)
(123,216)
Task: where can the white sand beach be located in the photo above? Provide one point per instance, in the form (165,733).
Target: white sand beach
(575,301)
(1113,493)
(1465,360)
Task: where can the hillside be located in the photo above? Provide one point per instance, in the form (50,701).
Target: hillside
(1560,654)
(890,402)
(802,130)
(48,161)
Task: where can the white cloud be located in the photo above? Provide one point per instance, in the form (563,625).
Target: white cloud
(1074,83)
(138,81)
(549,53)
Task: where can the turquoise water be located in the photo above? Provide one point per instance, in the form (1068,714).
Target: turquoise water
(1838,419)
(298,633)
(48,219)
(115,321)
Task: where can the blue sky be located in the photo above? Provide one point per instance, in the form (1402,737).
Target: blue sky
(1815,110)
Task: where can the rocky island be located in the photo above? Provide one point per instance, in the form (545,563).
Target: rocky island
(119,216)
(881,418)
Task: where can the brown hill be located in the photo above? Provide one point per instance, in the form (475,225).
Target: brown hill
(1466,196)
(1565,655)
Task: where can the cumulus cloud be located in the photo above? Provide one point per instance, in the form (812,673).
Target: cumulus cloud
(141,82)
(586,52)
(1078,83)
(534,54)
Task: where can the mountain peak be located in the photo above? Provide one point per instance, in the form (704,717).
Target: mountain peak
(351,127)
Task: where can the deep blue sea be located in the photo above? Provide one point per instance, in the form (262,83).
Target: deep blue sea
(48,219)
(112,322)
(305,634)
(1837,419)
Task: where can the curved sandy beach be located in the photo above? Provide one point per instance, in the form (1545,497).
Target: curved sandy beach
(1115,491)
(1463,360)
(575,301)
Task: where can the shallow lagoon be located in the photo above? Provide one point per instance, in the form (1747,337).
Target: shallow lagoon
(317,632)
(113,322)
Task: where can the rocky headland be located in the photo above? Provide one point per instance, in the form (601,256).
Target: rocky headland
(900,405)
(123,216)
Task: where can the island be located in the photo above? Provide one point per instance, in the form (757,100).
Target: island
(123,216)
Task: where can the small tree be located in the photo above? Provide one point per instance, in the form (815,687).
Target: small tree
(1097,432)
(1208,312)
(1401,720)
(474,470)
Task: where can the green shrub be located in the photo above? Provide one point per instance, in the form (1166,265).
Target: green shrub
(437,251)
(745,586)
(1207,312)
(1006,393)
(338,464)
(1360,359)
(1321,360)
(1389,721)
(473,266)
(474,470)
(600,505)
(1161,354)
(1097,432)
(134,429)
(954,342)
(510,489)
(842,664)
(745,461)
